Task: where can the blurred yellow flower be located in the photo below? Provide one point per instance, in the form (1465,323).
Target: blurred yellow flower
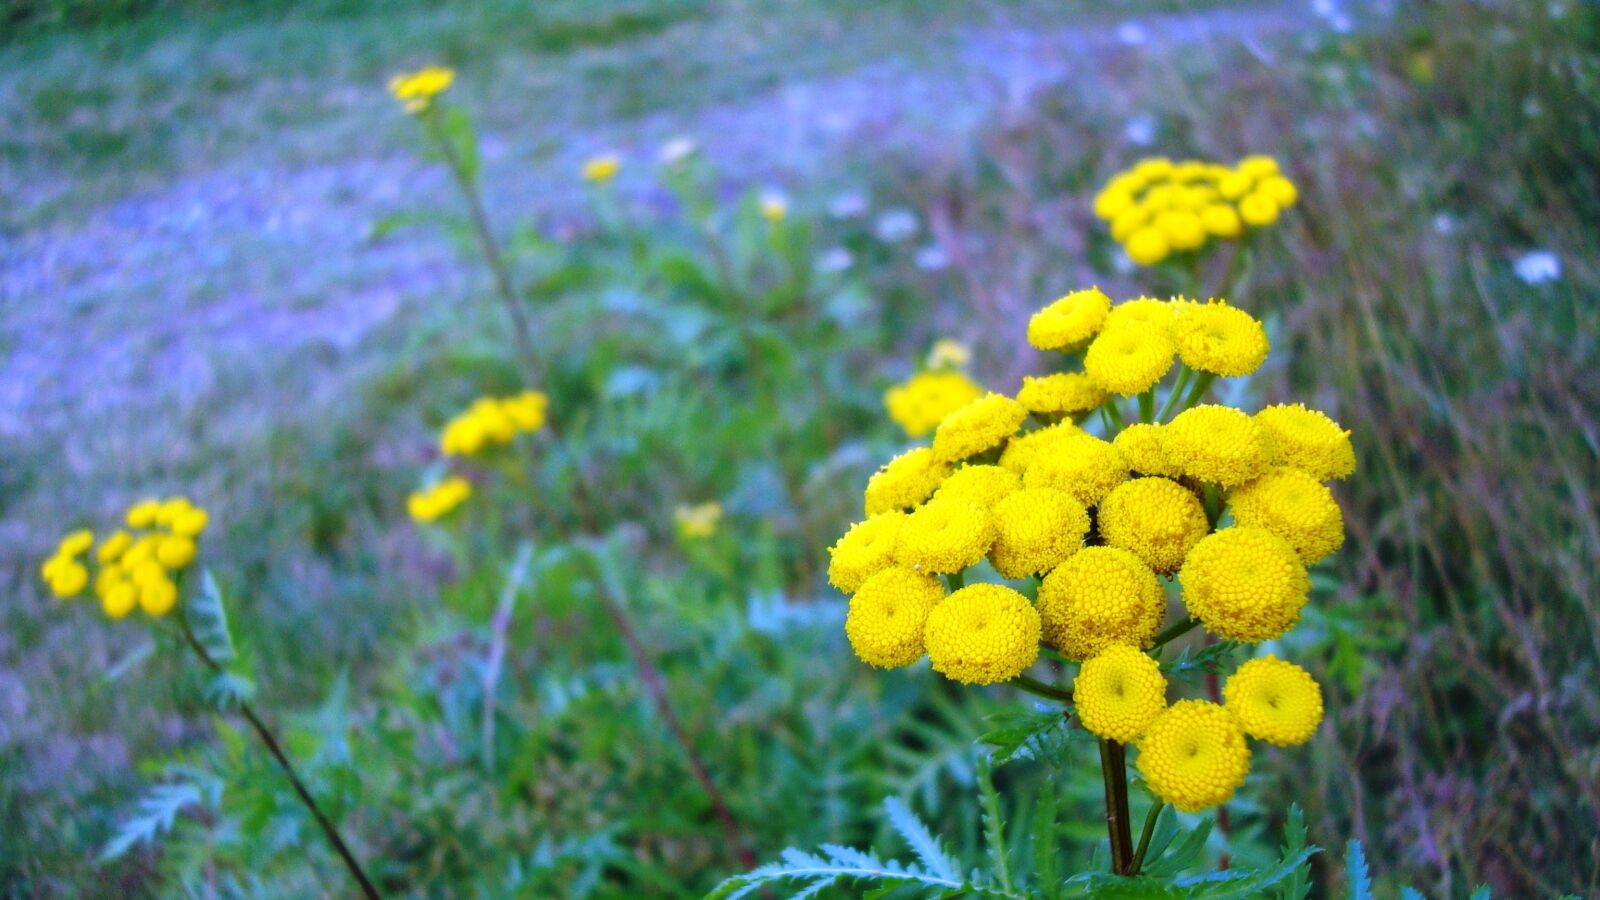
(773,206)
(432,503)
(922,401)
(416,90)
(699,520)
(949,353)
(601,169)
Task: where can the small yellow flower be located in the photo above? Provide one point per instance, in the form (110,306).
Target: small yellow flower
(1148,246)
(905,481)
(888,615)
(157,595)
(1144,449)
(1275,701)
(601,169)
(1098,597)
(773,206)
(433,503)
(921,402)
(1258,166)
(1222,220)
(980,484)
(416,90)
(143,514)
(699,520)
(191,523)
(66,577)
(1218,444)
(1235,185)
(982,634)
(1281,190)
(1220,339)
(949,353)
(1112,202)
(1258,209)
(175,552)
(1061,394)
(493,422)
(865,550)
(1119,692)
(1194,755)
(1021,451)
(1245,584)
(1182,229)
(1307,440)
(981,425)
(944,535)
(1129,359)
(1128,222)
(1143,312)
(112,548)
(1294,506)
(1035,530)
(1082,465)
(76,542)
(1069,321)
(120,599)
(1157,520)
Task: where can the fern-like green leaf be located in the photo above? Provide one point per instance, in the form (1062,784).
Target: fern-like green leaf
(1358,879)
(1183,856)
(208,618)
(921,840)
(1294,840)
(994,831)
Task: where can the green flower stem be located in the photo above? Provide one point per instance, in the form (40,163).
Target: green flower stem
(267,738)
(521,329)
(1144,838)
(1111,412)
(956,581)
(1198,389)
(1213,503)
(1176,630)
(1114,770)
(1040,689)
(1184,374)
(1147,405)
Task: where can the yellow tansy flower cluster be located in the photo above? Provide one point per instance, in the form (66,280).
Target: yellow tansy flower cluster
(136,566)
(1159,208)
(438,500)
(493,422)
(416,90)
(922,401)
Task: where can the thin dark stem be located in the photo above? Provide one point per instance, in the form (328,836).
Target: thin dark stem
(1198,389)
(490,246)
(1184,374)
(1144,837)
(1040,689)
(262,731)
(956,580)
(1114,771)
(1224,825)
(1176,630)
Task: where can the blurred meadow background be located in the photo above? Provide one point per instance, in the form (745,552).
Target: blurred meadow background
(229,268)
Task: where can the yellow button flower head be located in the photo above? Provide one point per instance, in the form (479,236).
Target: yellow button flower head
(120,599)
(1157,520)
(143,514)
(888,614)
(1082,465)
(905,481)
(1235,185)
(434,503)
(527,410)
(1100,596)
(1294,506)
(76,542)
(1119,692)
(1182,229)
(921,402)
(1112,202)
(1061,394)
(1258,209)
(1194,755)
(65,576)
(1222,220)
(1258,166)
(982,485)
(981,425)
(1308,440)
(1220,339)
(1129,359)
(1144,312)
(1275,701)
(1128,222)
(944,535)
(1244,584)
(1035,529)
(698,520)
(983,634)
(1218,444)
(949,353)
(1144,449)
(1148,246)
(601,169)
(191,523)
(171,509)
(1021,451)
(1281,190)
(865,550)
(112,548)
(157,595)
(1069,321)
(416,90)
(175,552)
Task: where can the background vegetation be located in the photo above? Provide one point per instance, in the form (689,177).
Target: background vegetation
(226,273)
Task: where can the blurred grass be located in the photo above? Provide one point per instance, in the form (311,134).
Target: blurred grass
(1463,631)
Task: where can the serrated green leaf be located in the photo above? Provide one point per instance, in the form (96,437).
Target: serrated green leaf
(1358,880)
(921,840)
(1184,855)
